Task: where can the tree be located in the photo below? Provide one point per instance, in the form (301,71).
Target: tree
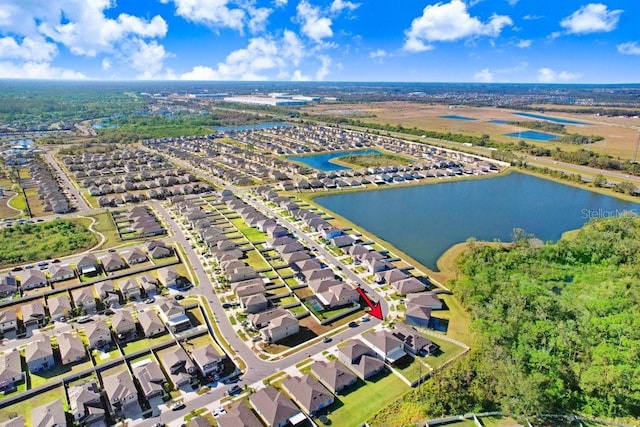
(599,180)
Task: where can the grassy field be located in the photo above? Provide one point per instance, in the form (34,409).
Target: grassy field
(25,407)
(36,207)
(371,160)
(145,343)
(104,225)
(252,234)
(365,399)
(53,239)
(18,202)
(255,260)
(57,373)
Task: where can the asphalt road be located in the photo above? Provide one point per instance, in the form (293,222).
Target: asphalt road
(81,204)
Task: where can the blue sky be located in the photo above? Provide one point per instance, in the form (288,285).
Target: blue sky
(561,41)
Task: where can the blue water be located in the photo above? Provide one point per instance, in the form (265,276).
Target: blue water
(424,221)
(533,134)
(499,122)
(456,117)
(551,119)
(322,161)
(104,126)
(255,126)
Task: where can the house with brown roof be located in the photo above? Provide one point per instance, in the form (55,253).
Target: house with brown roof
(178,365)
(208,360)
(333,375)
(150,323)
(98,334)
(130,290)
(408,286)
(425,299)
(59,307)
(8,285)
(174,315)
(106,292)
(308,393)
(148,283)
(121,391)
(84,299)
(160,251)
(150,378)
(85,404)
(112,262)
(338,295)
(239,415)
(360,358)
(134,256)
(387,347)
(275,408)
(10,369)
(88,265)
(280,328)
(169,277)
(33,315)
(390,276)
(49,415)
(414,342)
(39,355)
(241,273)
(71,348)
(254,303)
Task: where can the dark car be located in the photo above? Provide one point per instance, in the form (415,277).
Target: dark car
(226,305)
(326,339)
(236,389)
(55,261)
(178,297)
(16,269)
(178,406)
(353,325)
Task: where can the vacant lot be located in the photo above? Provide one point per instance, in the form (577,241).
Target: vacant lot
(33,242)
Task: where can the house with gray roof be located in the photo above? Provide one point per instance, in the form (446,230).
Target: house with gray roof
(33,315)
(130,290)
(360,358)
(387,347)
(49,415)
(59,306)
(308,393)
(150,323)
(121,391)
(61,272)
(84,299)
(408,286)
(208,360)
(134,256)
(32,279)
(71,348)
(39,355)
(85,404)
(414,342)
(178,365)
(174,315)
(150,378)
(124,325)
(98,334)
(10,369)
(8,285)
(333,375)
(112,262)
(8,320)
(254,303)
(275,408)
(88,265)
(239,415)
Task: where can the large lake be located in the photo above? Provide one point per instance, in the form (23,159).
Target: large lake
(424,221)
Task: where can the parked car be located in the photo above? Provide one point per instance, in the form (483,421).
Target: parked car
(236,389)
(326,339)
(150,300)
(366,318)
(353,324)
(226,305)
(55,261)
(178,297)
(219,411)
(178,406)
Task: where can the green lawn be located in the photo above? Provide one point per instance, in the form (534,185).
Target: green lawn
(255,260)
(365,400)
(19,202)
(25,407)
(145,343)
(411,369)
(104,224)
(41,378)
(100,358)
(252,234)
(448,350)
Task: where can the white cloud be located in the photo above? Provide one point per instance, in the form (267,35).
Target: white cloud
(523,44)
(531,17)
(323,71)
(314,26)
(36,70)
(147,58)
(485,75)
(258,20)
(29,49)
(512,2)
(280,3)
(297,76)
(338,6)
(448,22)
(106,64)
(213,13)
(591,18)
(378,53)
(548,75)
(629,48)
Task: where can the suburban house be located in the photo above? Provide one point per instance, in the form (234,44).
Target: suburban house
(260,320)
(306,265)
(60,272)
(254,303)
(318,274)
(294,257)
(208,360)
(178,365)
(338,295)
(239,415)
(241,273)
(150,323)
(8,320)
(387,347)
(275,409)
(150,378)
(134,256)
(88,265)
(32,279)
(280,328)
(112,262)
(174,316)
(417,315)
(342,241)
(248,287)
(414,342)
(8,285)
(121,391)
(98,334)
(130,290)
(333,375)
(308,393)
(160,251)
(360,358)
(49,415)
(33,315)
(408,286)
(84,299)
(85,404)
(169,277)
(148,283)
(106,292)
(10,369)
(425,299)
(390,276)
(39,355)
(323,285)
(71,348)
(59,307)
(123,325)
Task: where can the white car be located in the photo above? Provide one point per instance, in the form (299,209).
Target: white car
(218,412)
